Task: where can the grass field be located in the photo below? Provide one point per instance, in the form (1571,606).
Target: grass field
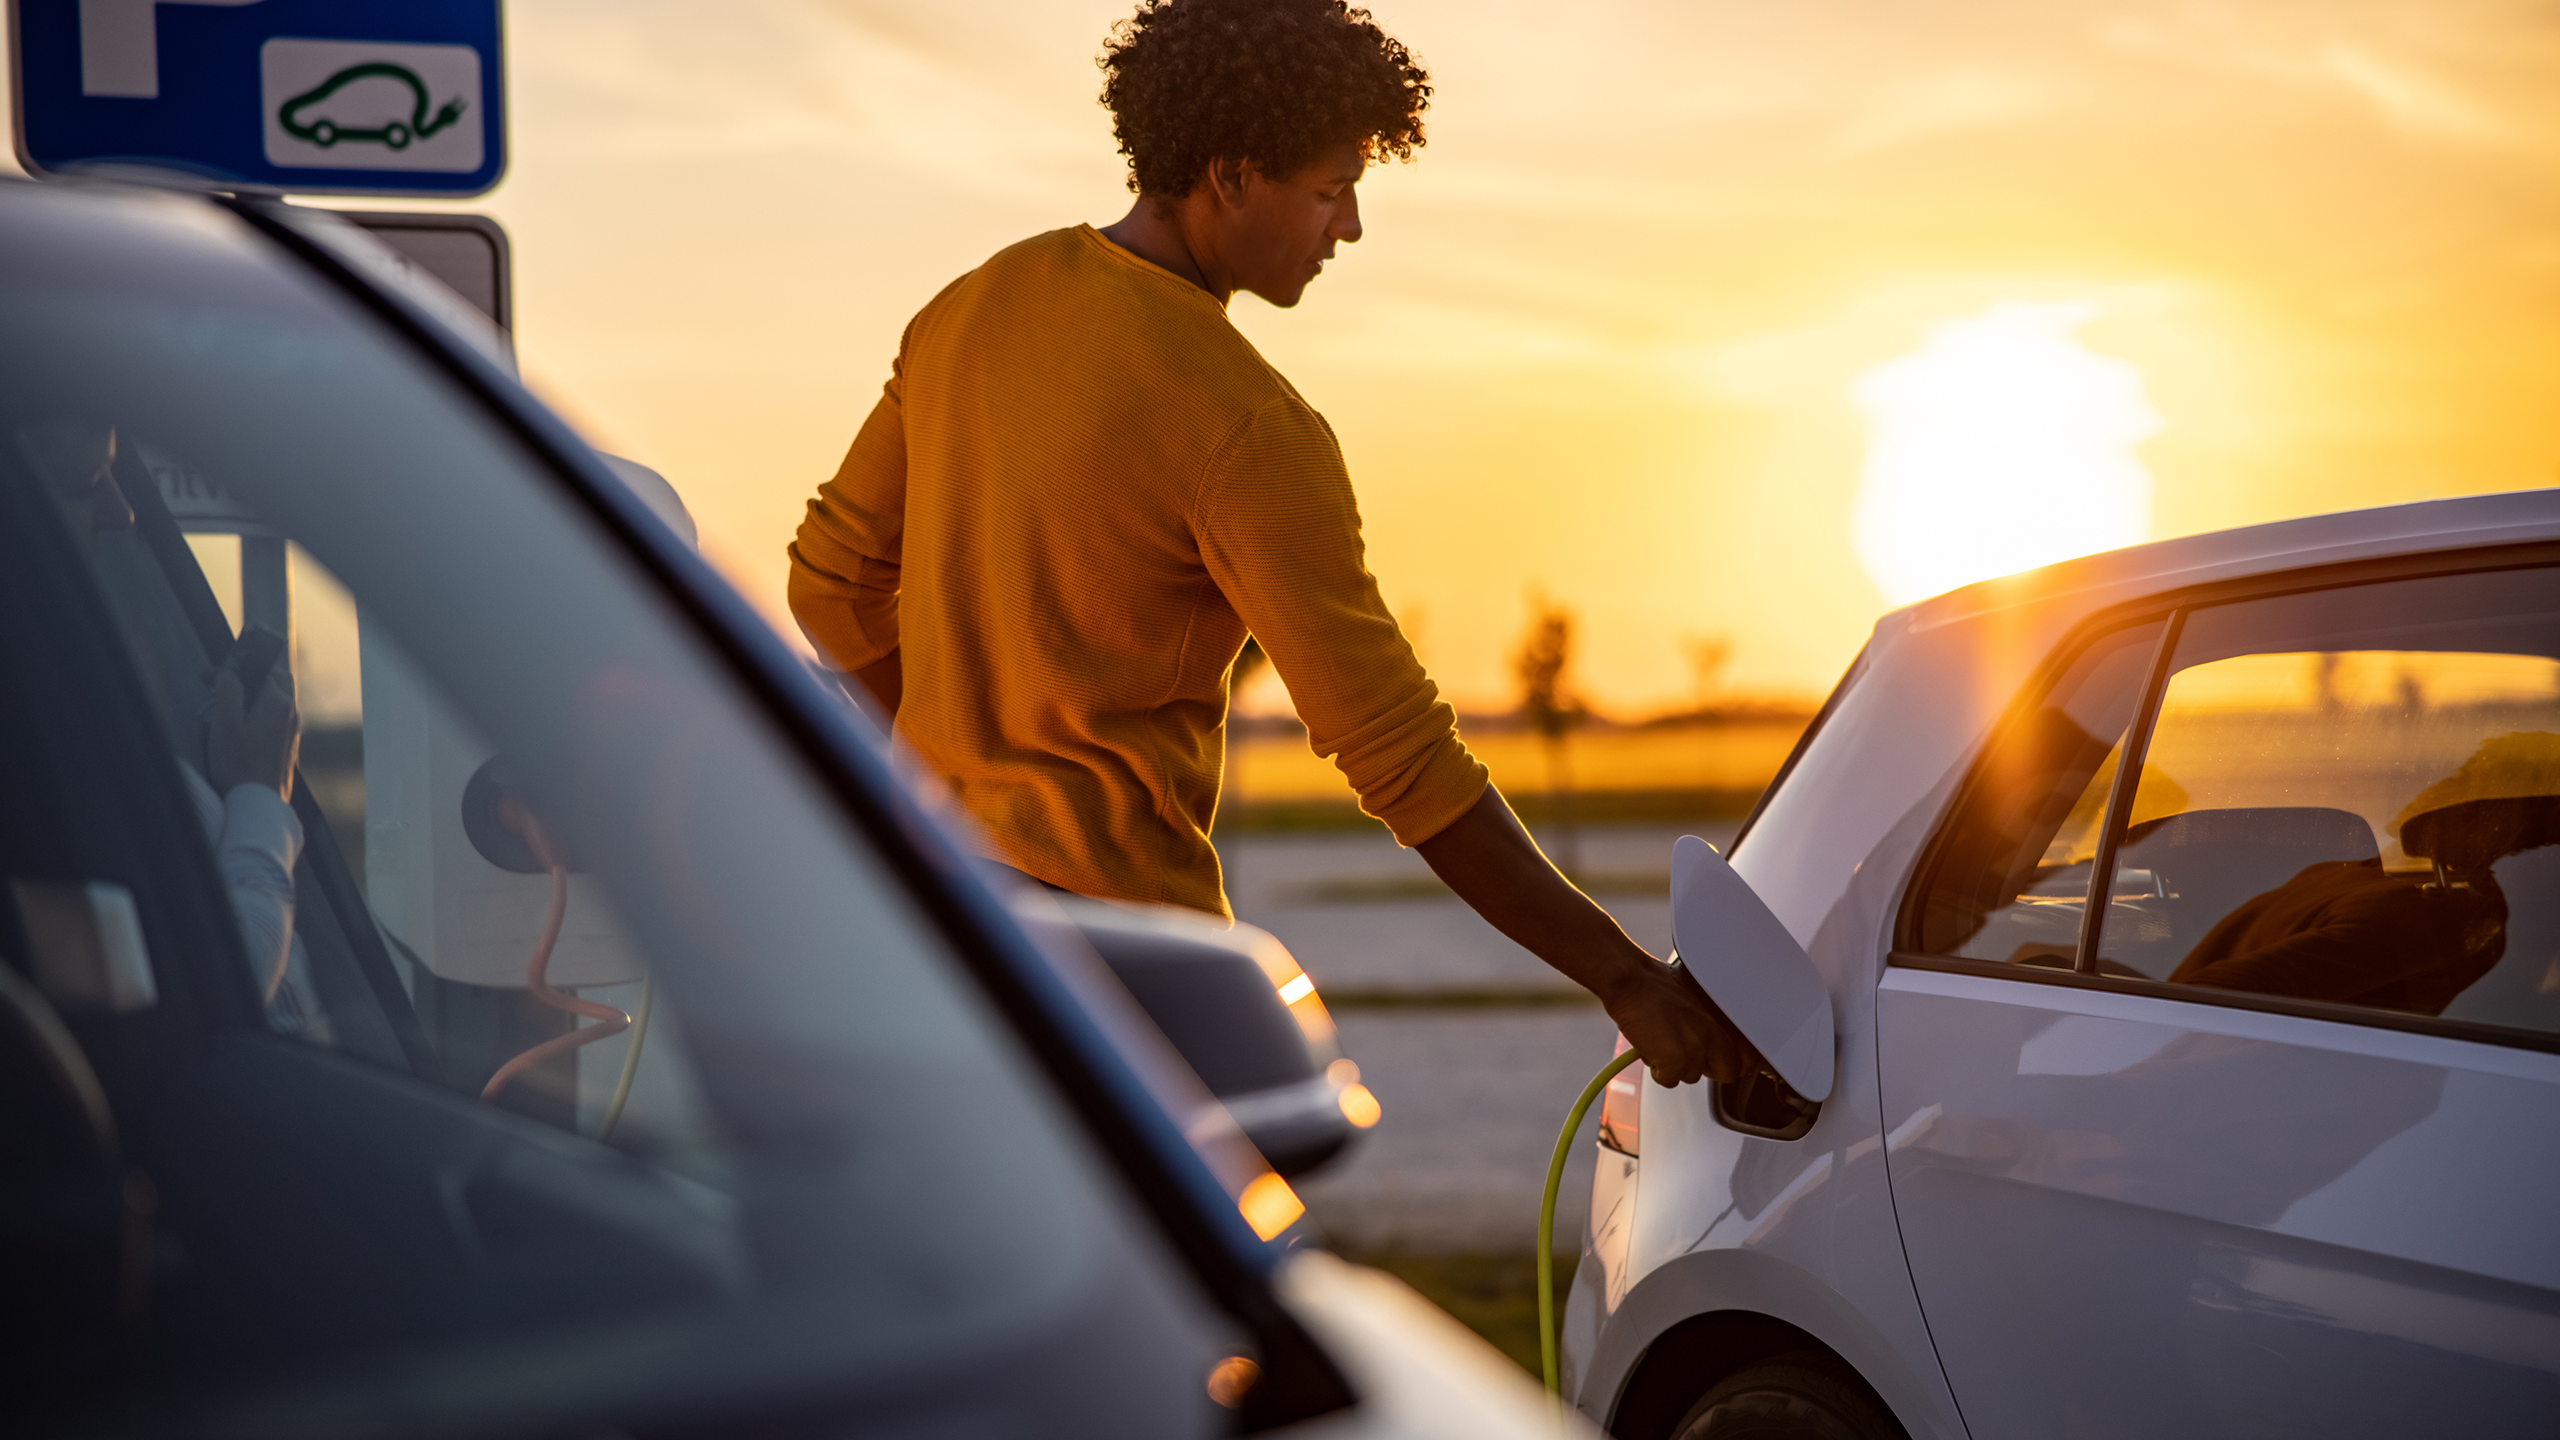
(1496,1296)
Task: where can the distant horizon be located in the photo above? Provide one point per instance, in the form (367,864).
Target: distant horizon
(1737,710)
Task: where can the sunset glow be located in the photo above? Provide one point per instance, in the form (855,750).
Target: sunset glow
(1602,337)
(2000,445)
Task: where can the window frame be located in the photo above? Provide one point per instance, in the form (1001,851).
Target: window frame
(2172,608)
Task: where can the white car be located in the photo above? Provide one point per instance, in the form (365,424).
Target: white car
(592,1036)
(2257,1136)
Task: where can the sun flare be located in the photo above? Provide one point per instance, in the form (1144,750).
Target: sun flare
(1999,445)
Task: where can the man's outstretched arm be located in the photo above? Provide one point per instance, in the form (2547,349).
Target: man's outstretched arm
(1493,865)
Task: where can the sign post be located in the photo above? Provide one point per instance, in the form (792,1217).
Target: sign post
(312,97)
(315,97)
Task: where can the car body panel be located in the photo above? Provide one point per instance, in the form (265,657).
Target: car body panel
(1755,1282)
(2301,1225)
(1152,1118)
(1831,851)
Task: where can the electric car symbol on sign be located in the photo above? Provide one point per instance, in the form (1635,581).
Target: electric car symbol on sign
(2189,918)
(591,1034)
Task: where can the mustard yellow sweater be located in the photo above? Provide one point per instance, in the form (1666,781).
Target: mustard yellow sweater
(1080,490)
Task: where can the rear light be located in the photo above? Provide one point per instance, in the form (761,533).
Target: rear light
(1297,991)
(1359,1106)
(1269,1205)
(1621,1105)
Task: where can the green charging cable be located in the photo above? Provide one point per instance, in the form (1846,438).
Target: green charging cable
(1547,1222)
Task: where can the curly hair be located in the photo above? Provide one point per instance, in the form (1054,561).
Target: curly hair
(1275,82)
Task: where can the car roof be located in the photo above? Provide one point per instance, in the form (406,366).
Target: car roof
(2110,577)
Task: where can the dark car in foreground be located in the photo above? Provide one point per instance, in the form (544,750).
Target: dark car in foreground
(600,1039)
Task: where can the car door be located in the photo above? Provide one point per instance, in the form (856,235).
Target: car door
(2256,1134)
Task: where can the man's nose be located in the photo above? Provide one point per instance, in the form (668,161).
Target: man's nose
(1346,220)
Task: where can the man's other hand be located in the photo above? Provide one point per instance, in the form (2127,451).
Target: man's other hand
(255,743)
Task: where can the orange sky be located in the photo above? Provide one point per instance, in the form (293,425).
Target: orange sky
(1600,338)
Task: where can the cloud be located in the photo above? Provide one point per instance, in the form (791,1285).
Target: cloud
(1943,102)
(788,77)
(2413,101)
(2477,74)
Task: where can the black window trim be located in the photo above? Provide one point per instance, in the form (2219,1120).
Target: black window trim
(2135,747)
(2172,607)
(2508,1036)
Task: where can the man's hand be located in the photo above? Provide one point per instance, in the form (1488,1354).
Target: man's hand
(1494,866)
(1669,1021)
(254,743)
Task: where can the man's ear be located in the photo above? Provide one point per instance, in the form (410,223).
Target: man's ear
(1226,181)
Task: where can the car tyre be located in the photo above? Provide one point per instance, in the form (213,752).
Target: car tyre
(1807,1395)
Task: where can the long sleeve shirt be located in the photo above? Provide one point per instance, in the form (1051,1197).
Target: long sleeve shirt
(256,839)
(1079,492)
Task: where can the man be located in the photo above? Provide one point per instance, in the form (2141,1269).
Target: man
(1082,488)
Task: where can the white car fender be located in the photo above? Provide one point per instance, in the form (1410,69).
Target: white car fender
(1419,1374)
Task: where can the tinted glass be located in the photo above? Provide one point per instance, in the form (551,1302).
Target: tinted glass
(417,1166)
(2353,795)
(2011,878)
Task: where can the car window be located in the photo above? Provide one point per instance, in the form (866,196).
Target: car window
(2349,795)
(2353,795)
(567,1058)
(2010,878)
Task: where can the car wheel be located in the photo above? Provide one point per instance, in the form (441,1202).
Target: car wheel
(1807,1395)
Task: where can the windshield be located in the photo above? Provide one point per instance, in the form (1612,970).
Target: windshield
(568,1057)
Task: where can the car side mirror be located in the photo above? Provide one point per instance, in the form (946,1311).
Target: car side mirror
(1751,967)
(1237,1007)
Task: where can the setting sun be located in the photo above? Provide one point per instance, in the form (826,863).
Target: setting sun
(2000,445)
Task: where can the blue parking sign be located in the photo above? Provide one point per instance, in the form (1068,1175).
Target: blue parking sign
(317,97)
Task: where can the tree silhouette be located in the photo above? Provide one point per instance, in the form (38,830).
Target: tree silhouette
(1547,702)
(1707,656)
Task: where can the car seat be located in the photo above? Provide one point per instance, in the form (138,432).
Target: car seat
(2210,862)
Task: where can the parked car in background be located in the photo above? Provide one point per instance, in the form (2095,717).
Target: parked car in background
(592,1035)
(2190,919)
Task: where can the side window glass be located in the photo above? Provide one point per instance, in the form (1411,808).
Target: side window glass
(234,747)
(2353,795)
(2011,879)
(501,960)
(399,1153)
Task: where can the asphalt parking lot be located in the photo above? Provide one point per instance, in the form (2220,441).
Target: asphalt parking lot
(1473,1046)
